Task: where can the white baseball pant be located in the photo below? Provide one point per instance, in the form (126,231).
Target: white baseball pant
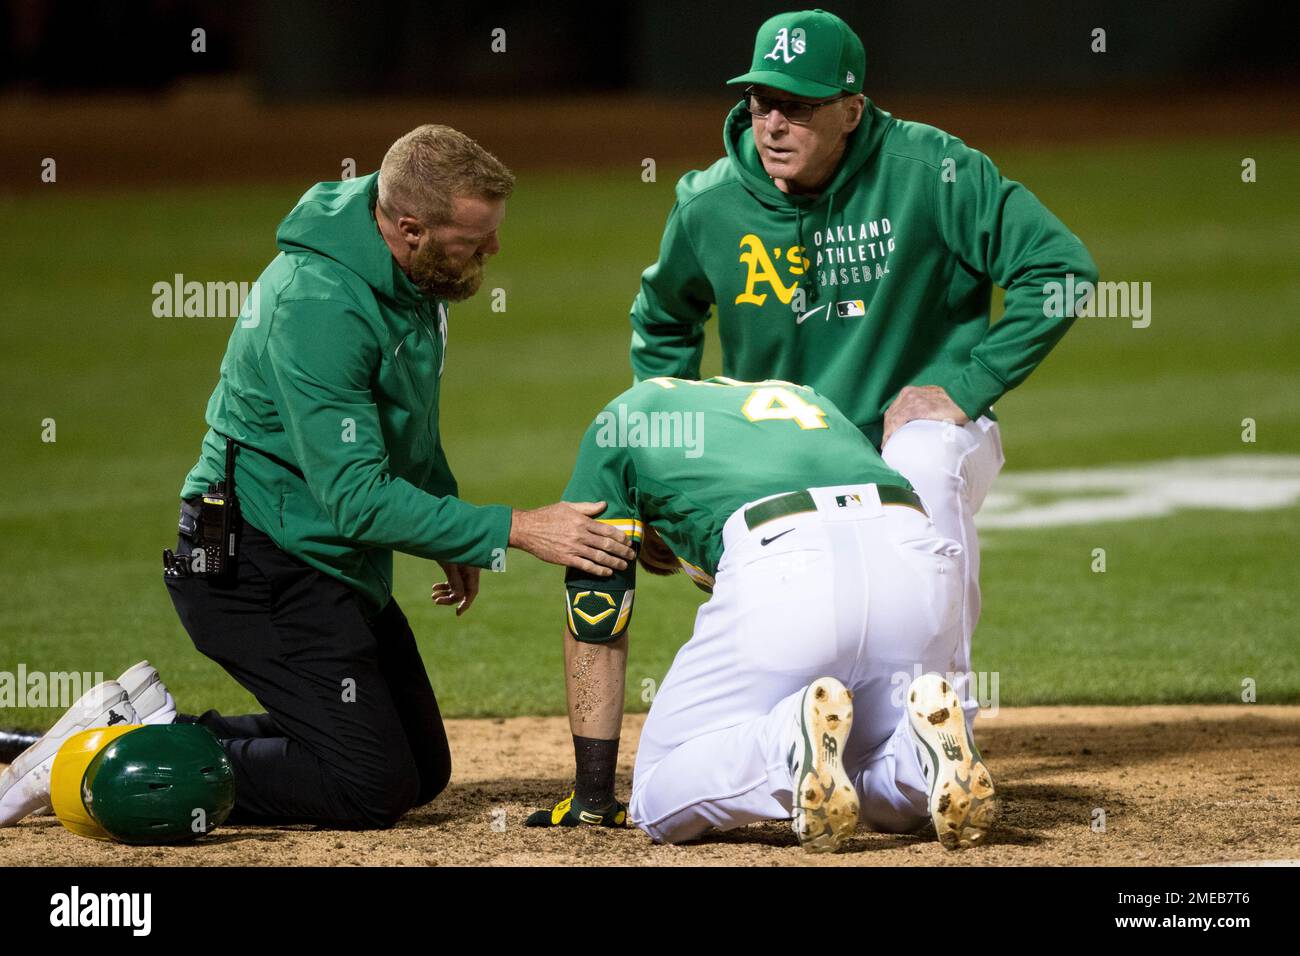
(952,468)
(862,593)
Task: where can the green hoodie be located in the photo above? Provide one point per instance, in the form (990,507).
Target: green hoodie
(881,281)
(330,385)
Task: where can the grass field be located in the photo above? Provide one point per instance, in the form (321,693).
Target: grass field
(1190,605)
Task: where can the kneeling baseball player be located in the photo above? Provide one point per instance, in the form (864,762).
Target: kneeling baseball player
(828,580)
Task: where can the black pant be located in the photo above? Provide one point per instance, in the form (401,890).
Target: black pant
(352,736)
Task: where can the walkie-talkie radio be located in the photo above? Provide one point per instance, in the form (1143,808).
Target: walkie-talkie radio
(209,527)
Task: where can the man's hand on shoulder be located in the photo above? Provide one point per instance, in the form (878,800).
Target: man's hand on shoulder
(568,534)
(921,402)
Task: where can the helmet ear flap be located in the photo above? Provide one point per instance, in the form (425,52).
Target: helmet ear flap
(69,771)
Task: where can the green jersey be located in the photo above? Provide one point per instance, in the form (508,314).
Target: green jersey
(683,456)
(331,385)
(881,281)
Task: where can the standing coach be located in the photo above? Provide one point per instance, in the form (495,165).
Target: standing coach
(329,395)
(856,253)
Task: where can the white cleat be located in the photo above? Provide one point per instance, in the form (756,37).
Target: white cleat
(825,802)
(963,803)
(25,784)
(149,696)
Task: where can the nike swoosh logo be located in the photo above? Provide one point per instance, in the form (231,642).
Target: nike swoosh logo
(766,541)
(799,321)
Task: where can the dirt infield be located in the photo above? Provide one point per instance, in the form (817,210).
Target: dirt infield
(1179,785)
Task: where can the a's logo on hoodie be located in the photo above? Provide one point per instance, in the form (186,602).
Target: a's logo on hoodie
(789,44)
(763,270)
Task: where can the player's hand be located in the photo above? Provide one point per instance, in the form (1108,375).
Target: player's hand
(570,812)
(565,533)
(921,402)
(460,588)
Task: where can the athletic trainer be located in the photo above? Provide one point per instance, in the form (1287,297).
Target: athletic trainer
(329,401)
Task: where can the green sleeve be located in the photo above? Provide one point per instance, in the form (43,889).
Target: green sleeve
(604,472)
(441,481)
(321,356)
(999,229)
(669,313)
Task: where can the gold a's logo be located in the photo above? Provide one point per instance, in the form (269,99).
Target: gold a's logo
(762,269)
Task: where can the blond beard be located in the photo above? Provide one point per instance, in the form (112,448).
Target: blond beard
(435,276)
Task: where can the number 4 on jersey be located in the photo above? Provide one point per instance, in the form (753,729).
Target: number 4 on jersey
(772,403)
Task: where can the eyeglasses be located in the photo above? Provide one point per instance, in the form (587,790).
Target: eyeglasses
(799,112)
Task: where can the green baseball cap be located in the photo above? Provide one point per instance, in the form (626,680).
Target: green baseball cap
(807,53)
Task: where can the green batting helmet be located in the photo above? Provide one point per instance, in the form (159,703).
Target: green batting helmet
(164,783)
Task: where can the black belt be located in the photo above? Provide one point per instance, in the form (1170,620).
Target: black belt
(798,502)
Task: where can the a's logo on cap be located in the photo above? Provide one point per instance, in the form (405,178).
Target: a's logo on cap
(849,77)
(789,44)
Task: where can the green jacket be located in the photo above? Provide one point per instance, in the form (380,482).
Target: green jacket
(330,383)
(881,281)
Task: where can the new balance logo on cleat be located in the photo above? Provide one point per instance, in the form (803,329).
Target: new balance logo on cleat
(115,718)
(963,803)
(824,808)
(830,746)
(951,749)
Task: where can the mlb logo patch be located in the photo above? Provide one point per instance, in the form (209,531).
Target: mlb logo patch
(848,501)
(850,310)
